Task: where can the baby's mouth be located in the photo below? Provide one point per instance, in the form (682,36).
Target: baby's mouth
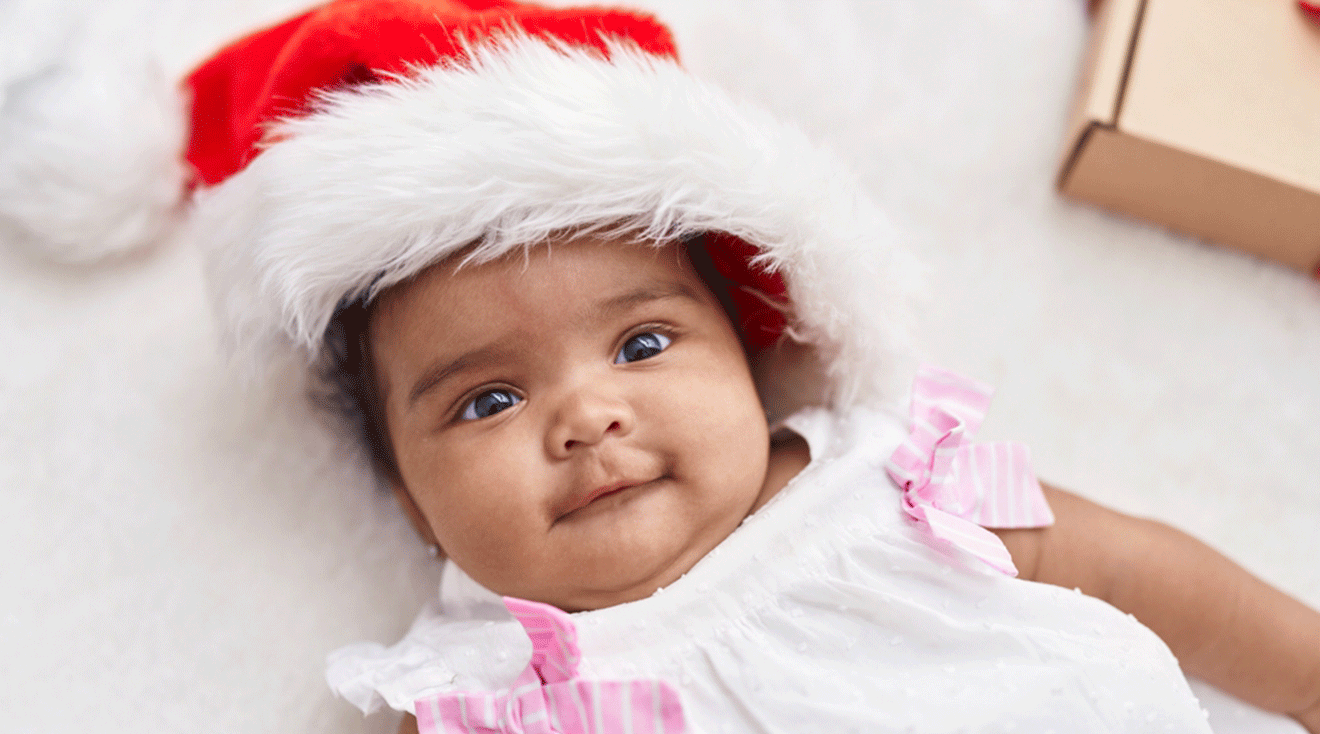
(595,497)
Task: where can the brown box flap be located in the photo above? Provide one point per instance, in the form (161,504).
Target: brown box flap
(1237,81)
(1114,26)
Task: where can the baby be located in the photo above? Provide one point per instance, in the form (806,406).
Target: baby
(624,348)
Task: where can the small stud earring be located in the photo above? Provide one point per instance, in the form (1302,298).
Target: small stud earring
(433,550)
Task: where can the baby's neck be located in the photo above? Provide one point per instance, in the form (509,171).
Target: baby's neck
(789,455)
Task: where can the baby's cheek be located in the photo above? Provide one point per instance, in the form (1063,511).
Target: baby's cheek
(733,434)
(465,491)
(483,530)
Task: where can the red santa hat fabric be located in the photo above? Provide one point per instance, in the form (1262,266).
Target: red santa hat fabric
(277,72)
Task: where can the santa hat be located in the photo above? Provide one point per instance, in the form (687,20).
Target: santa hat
(351,147)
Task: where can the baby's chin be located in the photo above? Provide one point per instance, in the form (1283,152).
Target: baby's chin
(622,578)
(587,599)
(629,547)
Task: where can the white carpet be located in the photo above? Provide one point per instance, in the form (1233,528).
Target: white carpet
(179,554)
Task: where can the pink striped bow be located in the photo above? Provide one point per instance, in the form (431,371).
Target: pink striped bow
(549,698)
(957,488)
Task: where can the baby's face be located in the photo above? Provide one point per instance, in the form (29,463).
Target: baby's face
(578,427)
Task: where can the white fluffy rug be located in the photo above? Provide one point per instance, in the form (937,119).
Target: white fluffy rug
(179,554)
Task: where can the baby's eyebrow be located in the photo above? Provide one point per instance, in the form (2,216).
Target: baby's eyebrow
(624,302)
(438,372)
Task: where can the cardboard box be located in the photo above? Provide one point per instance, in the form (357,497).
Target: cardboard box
(1204,115)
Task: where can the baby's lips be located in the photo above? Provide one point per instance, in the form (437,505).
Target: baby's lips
(585,499)
(581,499)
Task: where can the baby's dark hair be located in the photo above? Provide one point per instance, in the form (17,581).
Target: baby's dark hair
(346,386)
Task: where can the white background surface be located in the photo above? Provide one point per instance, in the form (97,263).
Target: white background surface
(179,553)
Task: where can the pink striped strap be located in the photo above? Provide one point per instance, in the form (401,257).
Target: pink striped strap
(956,488)
(549,697)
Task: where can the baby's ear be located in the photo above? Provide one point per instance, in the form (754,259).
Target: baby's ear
(414,513)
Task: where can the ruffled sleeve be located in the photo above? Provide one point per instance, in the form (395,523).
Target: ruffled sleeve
(467,622)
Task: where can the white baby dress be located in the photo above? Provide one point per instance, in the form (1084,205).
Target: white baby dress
(829,610)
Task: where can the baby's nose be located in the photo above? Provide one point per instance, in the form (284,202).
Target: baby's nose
(586,418)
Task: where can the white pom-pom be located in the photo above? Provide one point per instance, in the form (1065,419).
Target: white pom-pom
(90,152)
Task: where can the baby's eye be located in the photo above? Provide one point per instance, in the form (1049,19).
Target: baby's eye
(489,403)
(642,346)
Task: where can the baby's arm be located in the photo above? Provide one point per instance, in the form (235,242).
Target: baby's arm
(1225,626)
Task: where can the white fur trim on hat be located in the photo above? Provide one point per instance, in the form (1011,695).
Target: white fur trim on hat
(526,141)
